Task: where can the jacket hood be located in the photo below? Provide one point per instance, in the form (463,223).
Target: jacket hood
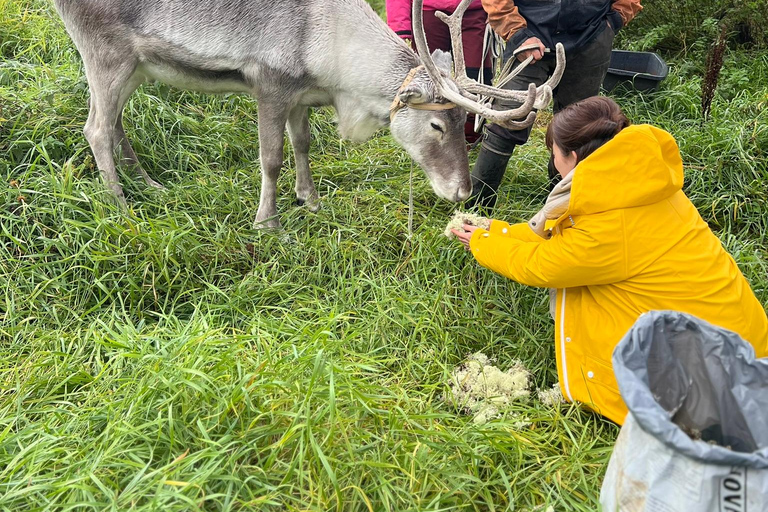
(641,165)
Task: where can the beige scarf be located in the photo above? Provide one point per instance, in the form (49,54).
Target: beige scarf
(556,205)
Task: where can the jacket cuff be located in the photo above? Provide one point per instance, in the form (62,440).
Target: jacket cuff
(521,35)
(404,34)
(499,227)
(617,22)
(474,241)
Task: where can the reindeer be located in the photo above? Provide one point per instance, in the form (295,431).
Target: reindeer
(290,55)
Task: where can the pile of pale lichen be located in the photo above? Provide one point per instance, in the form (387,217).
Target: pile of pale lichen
(460,218)
(551,397)
(485,391)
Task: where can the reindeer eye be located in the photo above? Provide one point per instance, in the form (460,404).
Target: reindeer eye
(437,127)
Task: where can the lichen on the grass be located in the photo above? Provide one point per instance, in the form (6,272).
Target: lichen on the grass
(551,397)
(460,218)
(483,390)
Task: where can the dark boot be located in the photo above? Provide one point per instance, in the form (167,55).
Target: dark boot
(486,177)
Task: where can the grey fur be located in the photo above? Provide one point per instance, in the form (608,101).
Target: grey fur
(289,54)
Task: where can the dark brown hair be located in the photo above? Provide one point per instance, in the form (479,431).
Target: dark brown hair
(586,125)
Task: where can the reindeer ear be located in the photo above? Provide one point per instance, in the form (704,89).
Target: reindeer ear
(443,60)
(414,94)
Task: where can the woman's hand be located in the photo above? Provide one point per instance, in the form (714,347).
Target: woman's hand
(466,235)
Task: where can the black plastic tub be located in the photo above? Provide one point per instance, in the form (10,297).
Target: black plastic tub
(639,70)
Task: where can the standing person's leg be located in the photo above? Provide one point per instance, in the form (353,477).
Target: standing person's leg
(498,143)
(438,35)
(585,71)
(472,36)
(583,76)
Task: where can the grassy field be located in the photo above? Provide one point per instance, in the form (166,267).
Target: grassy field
(172,358)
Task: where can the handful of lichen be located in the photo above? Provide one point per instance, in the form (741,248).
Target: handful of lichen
(460,218)
(483,390)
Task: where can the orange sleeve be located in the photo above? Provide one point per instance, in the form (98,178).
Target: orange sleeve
(628,9)
(504,17)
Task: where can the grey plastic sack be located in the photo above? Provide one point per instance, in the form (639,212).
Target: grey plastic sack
(696,436)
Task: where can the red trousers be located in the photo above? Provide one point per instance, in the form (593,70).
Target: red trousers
(472,33)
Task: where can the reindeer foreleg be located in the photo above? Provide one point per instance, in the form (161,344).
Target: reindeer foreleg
(272,119)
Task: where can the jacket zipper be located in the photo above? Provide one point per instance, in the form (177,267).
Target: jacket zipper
(562,348)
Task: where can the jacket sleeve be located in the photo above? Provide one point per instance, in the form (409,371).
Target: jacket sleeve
(622,12)
(505,19)
(520,231)
(399,17)
(575,257)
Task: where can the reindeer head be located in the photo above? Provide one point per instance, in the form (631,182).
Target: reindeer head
(431,130)
(431,127)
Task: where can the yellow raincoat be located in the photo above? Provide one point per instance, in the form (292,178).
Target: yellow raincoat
(630,242)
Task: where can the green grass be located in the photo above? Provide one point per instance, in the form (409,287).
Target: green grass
(172,358)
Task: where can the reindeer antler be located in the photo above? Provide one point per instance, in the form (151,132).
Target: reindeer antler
(469,90)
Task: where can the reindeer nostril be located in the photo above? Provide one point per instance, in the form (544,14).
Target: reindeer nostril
(462,194)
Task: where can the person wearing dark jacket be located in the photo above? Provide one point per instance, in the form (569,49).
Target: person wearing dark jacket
(586,29)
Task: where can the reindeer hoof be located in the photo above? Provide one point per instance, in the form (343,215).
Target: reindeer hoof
(117,197)
(152,183)
(312,203)
(272,223)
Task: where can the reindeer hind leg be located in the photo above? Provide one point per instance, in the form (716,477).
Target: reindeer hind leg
(298,131)
(128,154)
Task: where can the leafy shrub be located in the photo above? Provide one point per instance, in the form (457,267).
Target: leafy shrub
(692,25)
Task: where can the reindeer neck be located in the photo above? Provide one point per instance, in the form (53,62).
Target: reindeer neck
(363,67)
(372,64)
(364,95)
(400,66)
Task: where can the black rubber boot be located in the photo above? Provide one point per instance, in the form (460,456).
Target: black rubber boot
(486,177)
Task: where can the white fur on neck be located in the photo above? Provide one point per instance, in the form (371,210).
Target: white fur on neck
(356,117)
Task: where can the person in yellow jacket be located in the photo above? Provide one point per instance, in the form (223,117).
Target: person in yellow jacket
(616,238)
